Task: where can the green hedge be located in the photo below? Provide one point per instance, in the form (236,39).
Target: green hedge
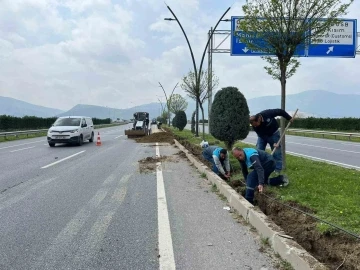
(340,124)
(31,122)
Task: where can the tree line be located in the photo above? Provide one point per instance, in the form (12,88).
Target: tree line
(8,122)
(340,124)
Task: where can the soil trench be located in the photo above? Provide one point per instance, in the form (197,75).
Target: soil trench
(330,249)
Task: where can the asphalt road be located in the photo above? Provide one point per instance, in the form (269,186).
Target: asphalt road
(337,152)
(91,207)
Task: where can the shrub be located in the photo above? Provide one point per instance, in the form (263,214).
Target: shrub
(181,120)
(229,119)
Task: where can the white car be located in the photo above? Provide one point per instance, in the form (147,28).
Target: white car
(71,129)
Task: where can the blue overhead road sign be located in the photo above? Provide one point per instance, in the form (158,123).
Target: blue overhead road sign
(238,48)
(339,41)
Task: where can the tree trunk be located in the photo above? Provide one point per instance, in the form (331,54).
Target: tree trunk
(197,120)
(282,121)
(203,124)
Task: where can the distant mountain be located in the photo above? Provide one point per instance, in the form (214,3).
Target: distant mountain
(105,112)
(315,103)
(312,103)
(14,107)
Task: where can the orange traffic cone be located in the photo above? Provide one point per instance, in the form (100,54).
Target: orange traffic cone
(98,142)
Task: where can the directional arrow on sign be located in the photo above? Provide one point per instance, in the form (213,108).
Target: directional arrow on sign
(331,49)
(245,50)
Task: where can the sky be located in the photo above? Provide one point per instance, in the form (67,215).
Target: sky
(59,53)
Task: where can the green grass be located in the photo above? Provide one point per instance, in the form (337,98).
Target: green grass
(331,191)
(21,137)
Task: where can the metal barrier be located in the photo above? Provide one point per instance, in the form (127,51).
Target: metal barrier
(38,131)
(323,133)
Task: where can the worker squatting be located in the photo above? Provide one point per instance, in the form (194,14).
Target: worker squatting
(265,168)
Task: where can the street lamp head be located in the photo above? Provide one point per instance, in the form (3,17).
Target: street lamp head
(169,19)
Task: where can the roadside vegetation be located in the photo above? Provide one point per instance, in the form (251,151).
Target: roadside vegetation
(331,193)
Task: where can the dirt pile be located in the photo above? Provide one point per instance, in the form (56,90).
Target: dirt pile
(331,249)
(161,137)
(148,164)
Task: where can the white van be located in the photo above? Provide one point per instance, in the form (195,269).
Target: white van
(71,129)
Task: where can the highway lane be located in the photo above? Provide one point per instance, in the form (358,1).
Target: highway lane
(96,210)
(337,152)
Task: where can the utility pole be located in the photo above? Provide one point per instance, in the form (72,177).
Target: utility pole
(196,71)
(210,73)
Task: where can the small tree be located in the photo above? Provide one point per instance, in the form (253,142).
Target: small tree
(181,120)
(229,116)
(200,93)
(168,100)
(193,123)
(284,28)
(178,103)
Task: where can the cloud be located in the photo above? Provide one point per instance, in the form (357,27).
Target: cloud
(60,53)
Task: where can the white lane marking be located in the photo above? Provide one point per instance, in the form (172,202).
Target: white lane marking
(64,238)
(297,137)
(166,252)
(118,136)
(325,160)
(329,148)
(324,147)
(12,146)
(21,149)
(95,236)
(61,160)
(61,246)
(157,150)
(319,159)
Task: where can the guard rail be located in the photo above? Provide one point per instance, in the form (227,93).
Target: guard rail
(324,132)
(38,131)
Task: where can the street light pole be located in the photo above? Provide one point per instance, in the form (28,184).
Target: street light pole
(197,72)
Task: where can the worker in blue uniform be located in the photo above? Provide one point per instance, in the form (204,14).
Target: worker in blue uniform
(263,164)
(267,128)
(219,157)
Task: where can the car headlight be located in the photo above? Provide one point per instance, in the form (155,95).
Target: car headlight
(74,131)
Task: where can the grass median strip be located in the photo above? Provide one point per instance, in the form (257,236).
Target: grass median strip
(329,192)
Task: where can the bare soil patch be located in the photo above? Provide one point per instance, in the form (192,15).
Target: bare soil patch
(332,249)
(148,165)
(161,137)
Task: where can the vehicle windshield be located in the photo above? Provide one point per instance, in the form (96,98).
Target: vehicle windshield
(61,122)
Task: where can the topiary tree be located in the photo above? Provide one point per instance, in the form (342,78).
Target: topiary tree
(174,121)
(229,116)
(193,123)
(181,120)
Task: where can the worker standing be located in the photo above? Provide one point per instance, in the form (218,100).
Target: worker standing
(267,129)
(263,164)
(219,157)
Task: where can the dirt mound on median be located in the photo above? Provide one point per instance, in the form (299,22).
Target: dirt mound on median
(148,164)
(332,249)
(161,137)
